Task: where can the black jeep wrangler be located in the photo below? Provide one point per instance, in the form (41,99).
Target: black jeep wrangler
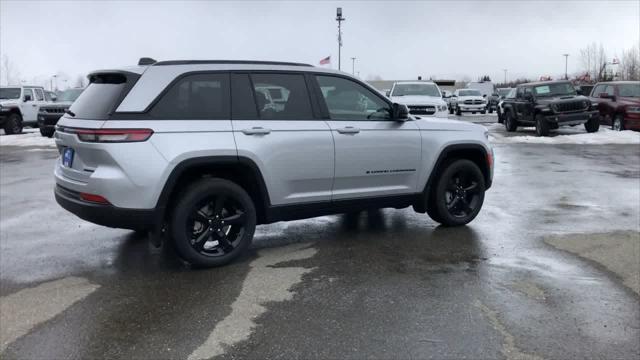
(548,105)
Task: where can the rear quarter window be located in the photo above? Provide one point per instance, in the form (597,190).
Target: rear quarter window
(196,96)
(99,100)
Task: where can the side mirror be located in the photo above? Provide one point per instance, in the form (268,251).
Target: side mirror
(27,98)
(484,96)
(400,112)
(528,96)
(388,93)
(54,98)
(607,96)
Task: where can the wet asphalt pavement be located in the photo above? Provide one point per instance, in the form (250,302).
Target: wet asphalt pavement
(380,284)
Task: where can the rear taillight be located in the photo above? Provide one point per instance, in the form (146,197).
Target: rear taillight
(110,135)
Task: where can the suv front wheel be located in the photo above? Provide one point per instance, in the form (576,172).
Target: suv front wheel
(213,222)
(458,195)
(13,125)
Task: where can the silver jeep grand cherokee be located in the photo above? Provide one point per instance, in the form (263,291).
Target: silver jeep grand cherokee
(203,151)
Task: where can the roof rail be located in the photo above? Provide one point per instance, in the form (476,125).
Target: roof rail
(244,62)
(146,61)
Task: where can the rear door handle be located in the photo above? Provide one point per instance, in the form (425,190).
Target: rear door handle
(256,131)
(349,130)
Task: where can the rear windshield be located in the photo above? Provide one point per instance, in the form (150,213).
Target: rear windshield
(100,98)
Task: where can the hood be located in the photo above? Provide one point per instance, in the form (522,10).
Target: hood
(418,100)
(57,104)
(559,99)
(462,98)
(9,102)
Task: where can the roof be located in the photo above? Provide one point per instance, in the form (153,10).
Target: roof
(618,82)
(245,62)
(415,82)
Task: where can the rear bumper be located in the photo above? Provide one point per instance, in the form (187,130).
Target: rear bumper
(571,119)
(105,215)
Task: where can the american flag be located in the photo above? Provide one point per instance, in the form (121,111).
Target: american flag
(326,60)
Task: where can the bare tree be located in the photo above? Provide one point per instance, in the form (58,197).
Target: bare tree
(79,81)
(630,64)
(10,73)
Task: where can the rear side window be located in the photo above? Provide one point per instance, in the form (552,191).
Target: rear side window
(197,96)
(282,96)
(100,98)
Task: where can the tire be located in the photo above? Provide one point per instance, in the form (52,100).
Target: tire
(450,110)
(13,124)
(618,123)
(542,127)
(216,212)
(484,112)
(491,111)
(459,193)
(592,125)
(458,112)
(509,123)
(47,132)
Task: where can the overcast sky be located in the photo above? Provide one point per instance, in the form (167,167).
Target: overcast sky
(395,40)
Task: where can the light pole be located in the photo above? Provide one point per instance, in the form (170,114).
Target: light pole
(353,66)
(55,78)
(339,19)
(566,59)
(505,76)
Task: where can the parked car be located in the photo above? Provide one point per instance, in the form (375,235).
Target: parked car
(467,100)
(618,104)
(186,150)
(488,91)
(548,105)
(19,107)
(49,114)
(510,94)
(423,98)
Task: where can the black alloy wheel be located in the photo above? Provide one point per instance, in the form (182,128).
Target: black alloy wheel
(459,193)
(213,222)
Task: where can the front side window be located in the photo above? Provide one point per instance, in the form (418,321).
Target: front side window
(348,100)
(598,90)
(195,97)
(609,90)
(29,93)
(282,96)
(39,94)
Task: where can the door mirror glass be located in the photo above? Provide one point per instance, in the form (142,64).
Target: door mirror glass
(605,95)
(400,112)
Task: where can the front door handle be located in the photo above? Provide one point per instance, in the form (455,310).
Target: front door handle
(256,131)
(349,130)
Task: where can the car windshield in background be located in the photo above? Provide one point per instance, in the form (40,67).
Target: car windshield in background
(504,92)
(416,89)
(630,90)
(469,93)
(555,89)
(70,95)
(10,93)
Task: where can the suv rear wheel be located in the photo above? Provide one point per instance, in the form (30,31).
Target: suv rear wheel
(592,125)
(458,195)
(13,125)
(618,123)
(213,222)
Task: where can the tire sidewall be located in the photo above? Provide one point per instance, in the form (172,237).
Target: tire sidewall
(13,125)
(618,119)
(443,215)
(188,200)
(542,129)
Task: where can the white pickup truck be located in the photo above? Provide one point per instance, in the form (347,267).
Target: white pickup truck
(19,106)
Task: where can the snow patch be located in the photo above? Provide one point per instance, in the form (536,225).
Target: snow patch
(497,135)
(27,139)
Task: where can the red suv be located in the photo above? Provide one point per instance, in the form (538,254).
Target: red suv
(618,103)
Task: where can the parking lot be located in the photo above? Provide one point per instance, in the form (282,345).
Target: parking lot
(549,269)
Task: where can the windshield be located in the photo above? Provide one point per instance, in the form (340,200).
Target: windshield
(469,92)
(504,92)
(10,93)
(70,95)
(554,89)
(416,89)
(630,90)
